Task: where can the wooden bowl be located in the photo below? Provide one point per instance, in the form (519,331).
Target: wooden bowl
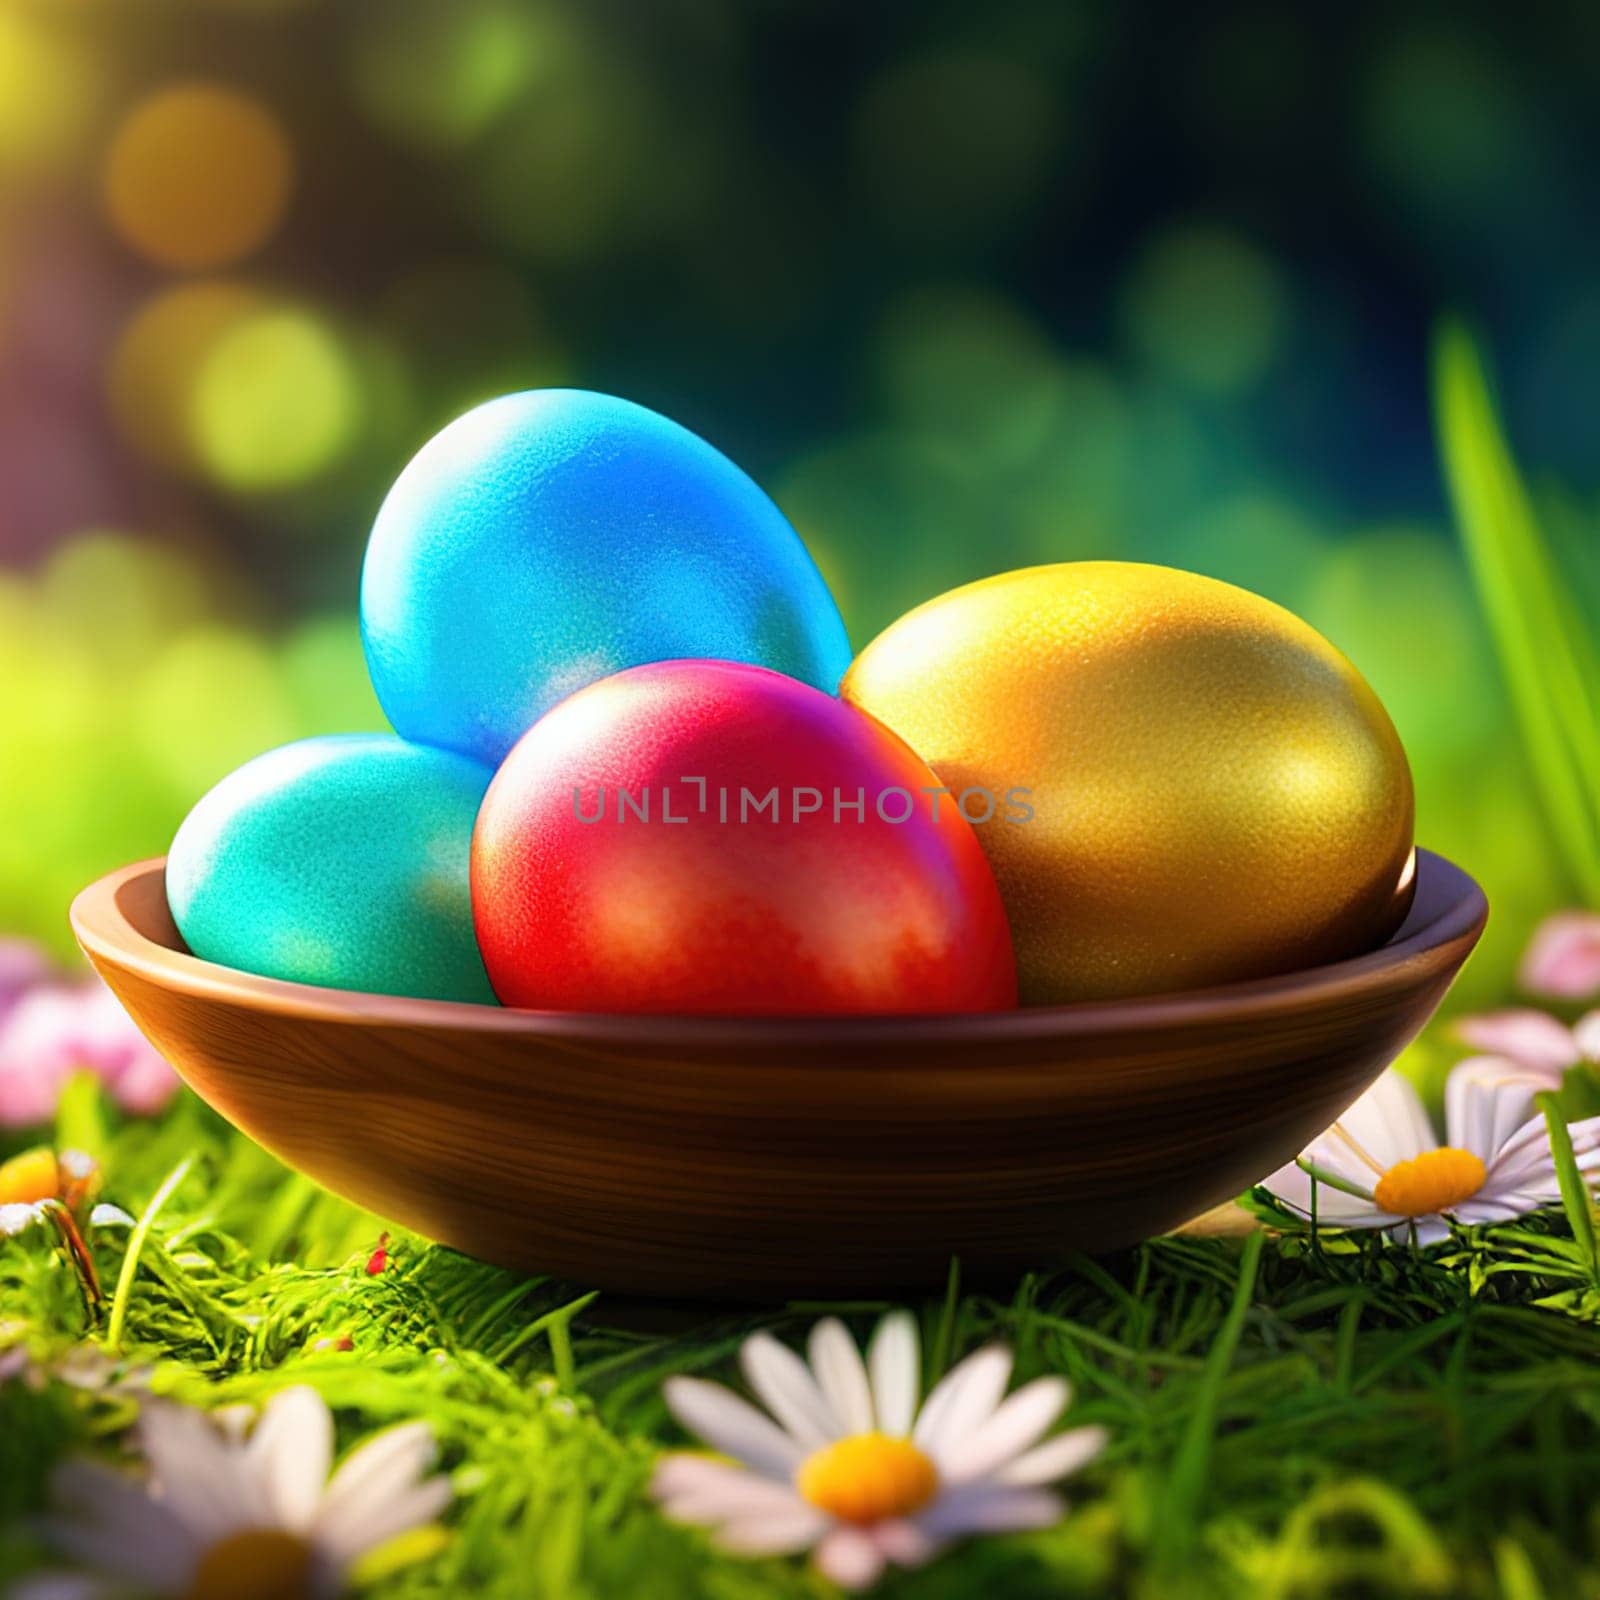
(764,1158)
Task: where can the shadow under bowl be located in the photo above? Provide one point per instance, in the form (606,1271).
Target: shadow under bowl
(761,1158)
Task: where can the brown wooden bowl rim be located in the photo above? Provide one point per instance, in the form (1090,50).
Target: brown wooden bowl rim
(1418,951)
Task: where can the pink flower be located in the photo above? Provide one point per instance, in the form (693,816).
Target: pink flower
(22,965)
(1534,1041)
(1563,958)
(57,1029)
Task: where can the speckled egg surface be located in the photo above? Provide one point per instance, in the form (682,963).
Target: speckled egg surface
(1216,792)
(341,861)
(551,538)
(787,860)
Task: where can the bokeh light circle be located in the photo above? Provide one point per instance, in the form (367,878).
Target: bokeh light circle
(1398,601)
(54,474)
(220,686)
(972,369)
(1257,538)
(580,158)
(117,598)
(324,674)
(1207,307)
(198,176)
(438,75)
(47,91)
(275,403)
(920,497)
(158,359)
(1448,130)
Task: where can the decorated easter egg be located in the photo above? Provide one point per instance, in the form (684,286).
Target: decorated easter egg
(339,861)
(701,836)
(548,539)
(1214,791)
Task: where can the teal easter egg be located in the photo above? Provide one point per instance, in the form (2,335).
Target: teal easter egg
(549,539)
(340,861)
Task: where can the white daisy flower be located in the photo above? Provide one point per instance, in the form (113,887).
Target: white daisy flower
(228,1511)
(1381,1165)
(853,1468)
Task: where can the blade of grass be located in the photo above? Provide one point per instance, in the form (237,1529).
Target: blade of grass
(1515,1571)
(1574,1191)
(945,1335)
(80,1116)
(1331,1179)
(1344,1359)
(1187,1480)
(130,1262)
(1548,656)
(555,1325)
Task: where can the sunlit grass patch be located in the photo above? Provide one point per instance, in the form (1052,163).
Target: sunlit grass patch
(1300,1415)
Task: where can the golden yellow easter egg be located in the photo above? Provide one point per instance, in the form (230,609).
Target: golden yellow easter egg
(1189,785)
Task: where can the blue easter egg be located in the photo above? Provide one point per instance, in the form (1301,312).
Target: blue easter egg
(340,861)
(548,539)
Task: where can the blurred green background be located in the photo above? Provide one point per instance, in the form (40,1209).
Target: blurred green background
(964,287)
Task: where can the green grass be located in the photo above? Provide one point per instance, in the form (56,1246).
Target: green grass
(1289,1417)
(1548,652)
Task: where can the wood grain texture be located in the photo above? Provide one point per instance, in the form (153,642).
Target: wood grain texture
(740,1158)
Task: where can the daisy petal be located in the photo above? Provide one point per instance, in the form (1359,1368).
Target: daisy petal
(84,1488)
(1055,1459)
(346,1539)
(778,1532)
(65,1586)
(684,1473)
(1586,1036)
(839,1369)
(1526,1161)
(962,1401)
(202,1478)
(1388,1122)
(290,1453)
(904,1543)
(1534,1168)
(386,1465)
(1292,1185)
(731,1425)
(1525,1157)
(991,1508)
(1020,1421)
(696,1489)
(850,1558)
(16,1216)
(1503,1208)
(784,1384)
(894,1359)
(1427,1231)
(104,1511)
(1487,1100)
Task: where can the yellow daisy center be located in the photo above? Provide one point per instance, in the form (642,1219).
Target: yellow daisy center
(1431,1182)
(29,1178)
(868,1477)
(258,1564)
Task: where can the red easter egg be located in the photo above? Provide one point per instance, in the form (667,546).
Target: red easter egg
(705,837)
